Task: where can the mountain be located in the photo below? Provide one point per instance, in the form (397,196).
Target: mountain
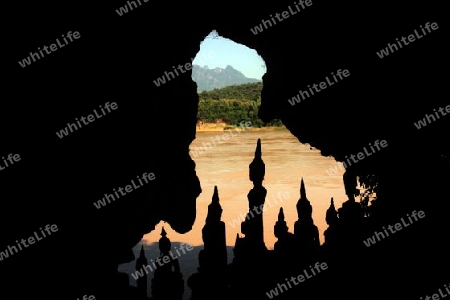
(210,79)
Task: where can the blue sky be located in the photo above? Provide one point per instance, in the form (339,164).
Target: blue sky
(216,51)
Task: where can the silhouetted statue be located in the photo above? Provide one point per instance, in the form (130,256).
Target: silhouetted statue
(285,246)
(211,279)
(252,226)
(351,215)
(251,257)
(331,234)
(141,262)
(286,240)
(306,233)
(351,212)
(214,237)
(168,283)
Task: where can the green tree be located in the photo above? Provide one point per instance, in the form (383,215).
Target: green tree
(232,105)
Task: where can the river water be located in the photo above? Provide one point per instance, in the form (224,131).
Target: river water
(226,164)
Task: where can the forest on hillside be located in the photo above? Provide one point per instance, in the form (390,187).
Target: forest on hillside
(233,104)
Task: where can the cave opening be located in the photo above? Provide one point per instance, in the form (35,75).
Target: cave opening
(229,78)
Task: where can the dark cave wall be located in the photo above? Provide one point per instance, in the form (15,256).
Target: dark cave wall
(117,59)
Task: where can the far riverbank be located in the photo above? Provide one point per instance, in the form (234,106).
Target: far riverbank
(206,127)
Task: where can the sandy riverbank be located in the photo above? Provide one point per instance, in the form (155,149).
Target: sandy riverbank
(205,127)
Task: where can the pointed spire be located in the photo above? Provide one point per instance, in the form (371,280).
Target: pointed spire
(302,190)
(257,166)
(304,208)
(142,254)
(331,215)
(281,215)
(280,229)
(214,209)
(164,242)
(215,197)
(258,153)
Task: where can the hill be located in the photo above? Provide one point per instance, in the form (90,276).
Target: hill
(210,79)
